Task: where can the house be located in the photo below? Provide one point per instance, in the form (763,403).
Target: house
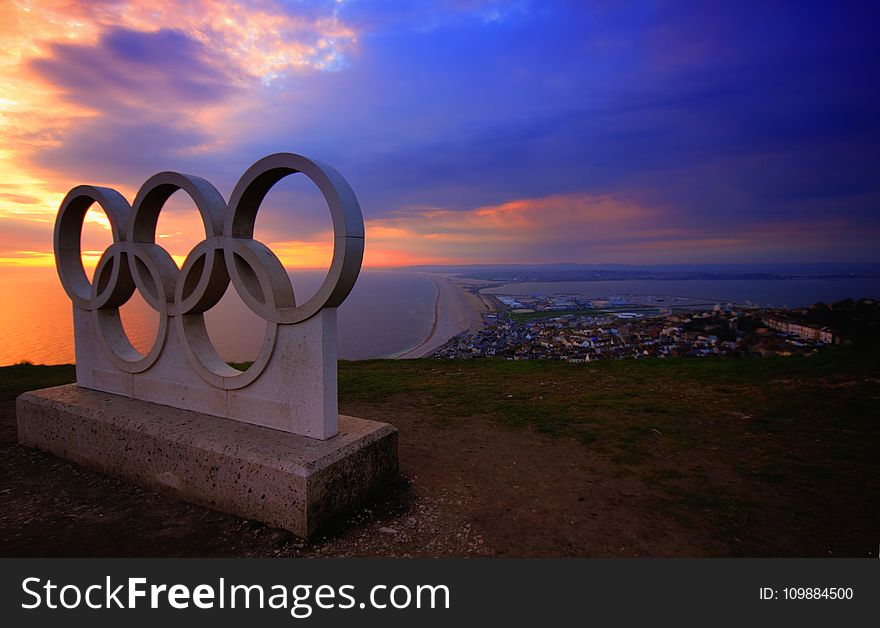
(804,330)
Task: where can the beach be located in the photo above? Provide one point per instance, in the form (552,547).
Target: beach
(456,311)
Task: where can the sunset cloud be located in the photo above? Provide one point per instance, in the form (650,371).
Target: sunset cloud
(478,131)
(112,87)
(591,229)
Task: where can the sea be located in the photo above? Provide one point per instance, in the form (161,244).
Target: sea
(387,313)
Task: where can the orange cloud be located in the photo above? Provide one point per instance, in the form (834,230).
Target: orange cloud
(515,230)
(303,253)
(507,231)
(560,227)
(254,42)
(586,228)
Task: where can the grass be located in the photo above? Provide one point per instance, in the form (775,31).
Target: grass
(26,376)
(559,398)
(624,406)
(723,443)
(723,440)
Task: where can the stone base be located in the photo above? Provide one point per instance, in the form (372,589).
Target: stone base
(281,479)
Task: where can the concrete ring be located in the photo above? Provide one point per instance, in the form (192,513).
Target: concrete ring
(259,277)
(116,344)
(348,230)
(201,283)
(203,278)
(154,273)
(212,368)
(112,288)
(155,192)
(113,284)
(68,231)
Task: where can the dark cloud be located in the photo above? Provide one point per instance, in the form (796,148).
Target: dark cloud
(719,114)
(145,90)
(107,151)
(134,73)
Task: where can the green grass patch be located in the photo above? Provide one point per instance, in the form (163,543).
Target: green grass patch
(686,428)
(18,378)
(628,397)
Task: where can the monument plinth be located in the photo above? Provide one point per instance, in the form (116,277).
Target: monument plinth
(265,443)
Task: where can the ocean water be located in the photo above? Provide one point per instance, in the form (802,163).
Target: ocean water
(763,292)
(387,312)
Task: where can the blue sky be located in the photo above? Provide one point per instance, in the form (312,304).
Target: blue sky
(653,132)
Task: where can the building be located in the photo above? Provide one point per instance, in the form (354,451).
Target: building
(804,330)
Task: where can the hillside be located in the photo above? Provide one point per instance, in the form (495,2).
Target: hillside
(707,457)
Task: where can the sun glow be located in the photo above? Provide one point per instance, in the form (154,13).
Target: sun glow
(258,42)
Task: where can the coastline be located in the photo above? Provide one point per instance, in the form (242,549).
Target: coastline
(455,311)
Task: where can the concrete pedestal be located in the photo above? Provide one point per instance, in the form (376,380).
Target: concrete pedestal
(282,479)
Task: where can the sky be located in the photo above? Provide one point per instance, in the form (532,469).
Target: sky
(471,131)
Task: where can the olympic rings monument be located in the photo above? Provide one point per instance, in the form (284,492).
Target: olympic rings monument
(265,443)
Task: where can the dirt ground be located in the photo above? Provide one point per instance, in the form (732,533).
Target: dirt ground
(468,488)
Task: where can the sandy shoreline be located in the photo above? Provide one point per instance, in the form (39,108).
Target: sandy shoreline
(455,311)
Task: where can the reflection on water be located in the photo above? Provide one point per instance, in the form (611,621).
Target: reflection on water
(386,313)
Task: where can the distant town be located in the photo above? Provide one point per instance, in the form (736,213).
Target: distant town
(506,274)
(579,329)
